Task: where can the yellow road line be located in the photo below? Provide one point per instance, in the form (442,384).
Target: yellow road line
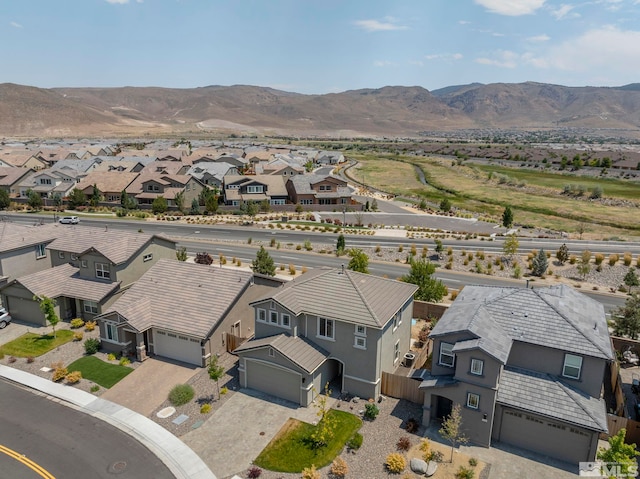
(27,462)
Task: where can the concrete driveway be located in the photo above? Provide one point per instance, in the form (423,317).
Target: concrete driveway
(237,432)
(148,386)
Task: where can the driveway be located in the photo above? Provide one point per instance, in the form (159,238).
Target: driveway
(234,436)
(148,386)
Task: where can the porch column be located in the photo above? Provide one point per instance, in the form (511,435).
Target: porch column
(141,350)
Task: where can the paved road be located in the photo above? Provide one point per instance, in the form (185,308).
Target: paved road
(66,443)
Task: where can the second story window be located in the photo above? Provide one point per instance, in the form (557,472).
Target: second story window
(473,400)
(447,358)
(255,189)
(325,328)
(102,271)
(572,366)
(41,251)
(261,315)
(477,366)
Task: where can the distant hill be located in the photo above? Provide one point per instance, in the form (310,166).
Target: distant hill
(388,111)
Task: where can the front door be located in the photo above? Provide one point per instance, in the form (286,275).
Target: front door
(443,408)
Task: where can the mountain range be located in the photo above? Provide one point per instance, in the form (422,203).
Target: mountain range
(27,111)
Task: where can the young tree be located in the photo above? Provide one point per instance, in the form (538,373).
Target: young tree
(451,429)
(374,205)
(5,201)
(627,318)
(263,264)
(35,200)
(429,289)
(323,432)
(620,453)
(583,269)
(439,246)
(510,245)
(216,371)
(422,205)
(540,263)
(96,196)
(340,245)
(562,255)
(507,217)
(631,279)
(359,261)
(265,206)
(159,205)
(76,198)
(195,207)
(57,200)
(181,254)
(48,308)
(249,208)
(179,201)
(445,205)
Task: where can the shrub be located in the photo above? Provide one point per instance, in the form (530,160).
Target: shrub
(613,259)
(473,462)
(424,445)
(73,377)
(395,463)
(355,442)
(59,372)
(292,269)
(30,359)
(205,409)
(464,473)
(403,444)
(400,249)
(224,390)
(124,361)
(254,472)
(310,473)
(412,425)
(627,258)
(572,259)
(95,388)
(181,394)
(435,456)
(89,325)
(78,335)
(599,258)
(77,323)
(92,345)
(339,467)
(111,357)
(12,359)
(371,411)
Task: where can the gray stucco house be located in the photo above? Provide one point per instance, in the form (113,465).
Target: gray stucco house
(327,325)
(526,365)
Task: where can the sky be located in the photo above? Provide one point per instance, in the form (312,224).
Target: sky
(318,46)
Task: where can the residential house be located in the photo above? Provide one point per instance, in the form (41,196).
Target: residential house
(315,189)
(24,159)
(11,177)
(327,325)
(212,173)
(527,366)
(280,167)
(240,189)
(181,311)
(48,183)
(110,184)
(329,158)
(88,266)
(167,167)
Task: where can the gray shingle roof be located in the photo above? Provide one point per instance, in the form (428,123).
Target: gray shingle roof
(14,236)
(301,352)
(556,317)
(346,296)
(182,297)
(546,395)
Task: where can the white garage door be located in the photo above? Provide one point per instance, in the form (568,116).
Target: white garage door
(175,346)
(279,382)
(544,436)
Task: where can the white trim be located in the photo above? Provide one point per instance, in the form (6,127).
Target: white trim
(572,366)
(333,328)
(476,362)
(258,311)
(360,379)
(360,346)
(477,400)
(448,354)
(396,351)
(360,333)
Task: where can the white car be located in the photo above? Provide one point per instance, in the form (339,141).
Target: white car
(5,318)
(69,220)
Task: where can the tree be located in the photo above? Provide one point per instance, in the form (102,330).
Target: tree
(5,201)
(627,318)
(323,432)
(96,196)
(540,263)
(265,206)
(195,207)
(374,205)
(126,201)
(57,200)
(249,208)
(583,269)
(76,198)
(507,217)
(179,201)
(445,205)
(35,200)
(510,245)
(181,254)
(562,255)
(48,308)
(620,453)
(451,429)
(429,289)
(631,279)
(423,204)
(340,245)
(159,205)
(216,372)
(263,264)
(439,246)
(359,261)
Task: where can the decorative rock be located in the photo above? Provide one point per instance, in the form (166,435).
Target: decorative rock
(166,412)
(431,468)
(419,466)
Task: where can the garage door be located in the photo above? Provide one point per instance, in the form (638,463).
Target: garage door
(25,310)
(544,436)
(279,382)
(175,346)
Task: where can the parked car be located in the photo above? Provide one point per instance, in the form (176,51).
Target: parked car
(69,220)
(5,318)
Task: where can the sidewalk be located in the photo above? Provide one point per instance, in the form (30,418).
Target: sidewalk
(180,459)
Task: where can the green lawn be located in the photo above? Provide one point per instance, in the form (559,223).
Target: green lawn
(96,370)
(290,450)
(30,344)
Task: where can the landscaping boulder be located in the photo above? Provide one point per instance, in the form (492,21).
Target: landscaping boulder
(418,466)
(432,467)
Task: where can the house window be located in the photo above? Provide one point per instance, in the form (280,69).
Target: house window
(325,328)
(447,358)
(73,257)
(473,400)
(278,201)
(83,263)
(255,189)
(306,202)
(261,315)
(325,187)
(361,330)
(286,320)
(91,307)
(147,257)
(274,317)
(397,320)
(102,271)
(61,254)
(477,366)
(396,351)
(360,342)
(272,305)
(41,252)
(572,366)
(112,332)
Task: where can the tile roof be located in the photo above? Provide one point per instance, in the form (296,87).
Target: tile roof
(346,296)
(216,169)
(10,175)
(276,185)
(182,297)
(14,236)
(64,280)
(548,396)
(107,181)
(556,317)
(117,246)
(302,185)
(298,350)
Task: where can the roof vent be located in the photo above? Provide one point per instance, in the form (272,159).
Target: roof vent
(341,269)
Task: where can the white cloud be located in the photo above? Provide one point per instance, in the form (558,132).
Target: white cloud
(539,38)
(512,8)
(378,26)
(565,11)
(444,56)
(502,59)
(117,2)
(465,22)
(383,63)
(417,63)
(15,24)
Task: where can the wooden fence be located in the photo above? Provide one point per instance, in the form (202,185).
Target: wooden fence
(402,387)
(615,423)
(234,341)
